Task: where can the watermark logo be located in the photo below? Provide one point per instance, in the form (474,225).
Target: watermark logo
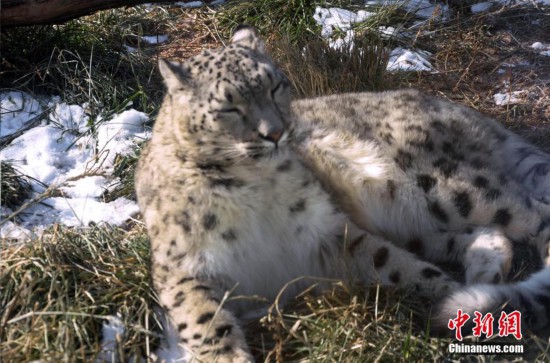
(508,324)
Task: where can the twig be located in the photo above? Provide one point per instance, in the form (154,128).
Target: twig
(44,195)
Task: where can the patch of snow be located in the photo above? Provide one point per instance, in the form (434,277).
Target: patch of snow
(509,98)
(118,136)
(48,154)
(112,332)
(407,60)
(338,19)
(333,19)
(191,4)
(79,212)
(66,154)
(70,117)
(12,231)
(342,44)
(390,32)
(543,48)
(87,187)
(169,350)
(130,49)
(481,7)
(154,39)
(16,110)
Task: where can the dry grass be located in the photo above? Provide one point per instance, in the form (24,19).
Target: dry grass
(14,186)
(315,69)
(56,292)
(346,325)
(491,53)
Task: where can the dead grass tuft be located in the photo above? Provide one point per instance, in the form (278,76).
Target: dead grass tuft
(315,69)
(56,292)
(14,186)
(348,325)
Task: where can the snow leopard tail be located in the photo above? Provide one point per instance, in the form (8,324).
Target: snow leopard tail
(531,298)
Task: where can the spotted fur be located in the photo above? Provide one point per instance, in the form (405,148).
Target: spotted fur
(243,190)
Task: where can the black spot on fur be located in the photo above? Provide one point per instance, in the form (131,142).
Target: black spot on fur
(209,221)
(179,256)
(403,159)
(450,245)
(543,300)
(481,182)
(181,156)
(226,182)
(391,188)
(430,273)
(447,147)
(419,138)
(387,137)
(182,326)
(395,276)
(201,288)
(437,211)
(502,217)
(205,317)
(197,336)
(426,182)
(477,163)
(154,231)
(492,194)
(229,235)
(229,97)
(224,330)
(184,221)
(463,203)
(209,167)
(416,246)
(381,257)
(439,126)
(185,279)
(445,166)
(178,303)
(299,206)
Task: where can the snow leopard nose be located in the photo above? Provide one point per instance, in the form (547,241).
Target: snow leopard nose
(273,136)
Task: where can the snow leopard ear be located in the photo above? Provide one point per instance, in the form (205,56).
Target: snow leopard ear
(247,36)
(176,76)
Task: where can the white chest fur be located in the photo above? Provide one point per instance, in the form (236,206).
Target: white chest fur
(284,224)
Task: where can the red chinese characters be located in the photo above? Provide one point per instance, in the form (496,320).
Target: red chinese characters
(508,324)
(458,322)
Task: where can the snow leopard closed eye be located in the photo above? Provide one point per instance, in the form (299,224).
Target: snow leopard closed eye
(251,112)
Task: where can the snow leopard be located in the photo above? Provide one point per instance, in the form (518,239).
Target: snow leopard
(245,192)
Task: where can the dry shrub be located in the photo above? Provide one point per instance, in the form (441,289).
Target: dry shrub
(315,69)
